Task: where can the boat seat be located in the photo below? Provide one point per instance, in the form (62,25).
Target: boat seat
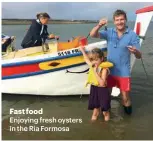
(68,45)
(32,51)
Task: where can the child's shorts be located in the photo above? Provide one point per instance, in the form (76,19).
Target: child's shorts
(99,98)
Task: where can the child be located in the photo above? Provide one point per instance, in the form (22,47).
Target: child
(99,97)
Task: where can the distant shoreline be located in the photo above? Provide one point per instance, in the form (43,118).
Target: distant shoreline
(28,21)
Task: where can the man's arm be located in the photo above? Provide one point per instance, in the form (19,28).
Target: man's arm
(136,52)
(135,46)
(95,31)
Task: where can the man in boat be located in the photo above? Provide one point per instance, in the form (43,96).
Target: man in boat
(37,33)
(6,41)
(121,42)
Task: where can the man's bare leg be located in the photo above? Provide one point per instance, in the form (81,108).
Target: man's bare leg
(126,101)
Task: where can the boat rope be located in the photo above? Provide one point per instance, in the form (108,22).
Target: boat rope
(67,71)
(144,68)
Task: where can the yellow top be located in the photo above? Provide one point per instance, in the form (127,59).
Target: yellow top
(92,80)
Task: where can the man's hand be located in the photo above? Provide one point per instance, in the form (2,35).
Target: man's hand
(3,41)
(94,33)
(57,37)
(51,36)
(134,51)
(102,22)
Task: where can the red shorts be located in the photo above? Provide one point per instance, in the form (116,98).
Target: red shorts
(123,83)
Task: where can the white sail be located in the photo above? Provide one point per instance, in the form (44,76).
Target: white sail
(142,21)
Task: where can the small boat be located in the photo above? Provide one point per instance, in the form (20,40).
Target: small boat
(57,68)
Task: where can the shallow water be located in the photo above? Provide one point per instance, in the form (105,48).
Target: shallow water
(137,126)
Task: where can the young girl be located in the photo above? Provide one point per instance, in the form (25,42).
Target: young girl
(99,98)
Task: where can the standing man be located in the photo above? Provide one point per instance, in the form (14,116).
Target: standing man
(121,43)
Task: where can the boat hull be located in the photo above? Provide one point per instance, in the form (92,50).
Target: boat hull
(46,74)
(53,83)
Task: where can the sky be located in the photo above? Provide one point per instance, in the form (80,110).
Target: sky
(70,10)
